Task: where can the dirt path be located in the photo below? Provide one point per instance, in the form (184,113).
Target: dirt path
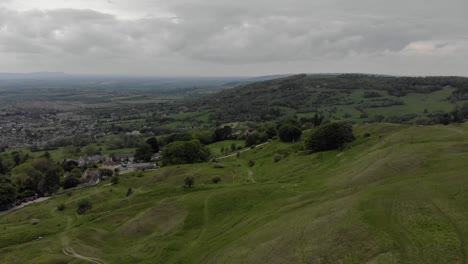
(234,154)
(250,176)
(71,253)
(67,250)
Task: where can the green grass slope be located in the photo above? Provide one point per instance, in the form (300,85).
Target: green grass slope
(399,196)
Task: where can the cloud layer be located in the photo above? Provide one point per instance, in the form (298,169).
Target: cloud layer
(203,37)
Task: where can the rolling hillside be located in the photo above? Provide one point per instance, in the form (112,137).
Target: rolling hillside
(398,196)
(352,97)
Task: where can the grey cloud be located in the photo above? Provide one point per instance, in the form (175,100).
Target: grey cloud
(232,34)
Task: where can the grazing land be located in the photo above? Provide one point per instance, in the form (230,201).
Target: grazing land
(397,195)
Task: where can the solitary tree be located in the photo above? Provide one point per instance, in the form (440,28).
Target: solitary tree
(154,144)
(233,146)
(216,179)
(70,182)
(223,133)
(185,152)
(289,132)
(90,150)
(330,136)
(84,206)
(144,153)
(189,181)
(271,131)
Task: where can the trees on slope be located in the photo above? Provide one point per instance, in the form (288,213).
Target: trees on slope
(185,152)
(41,176)
(290,131)
(7,193)
(330,136)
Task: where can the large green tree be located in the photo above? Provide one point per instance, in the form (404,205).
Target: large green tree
(154,144)
(330,136)
(144,153)
(255,138)
(223,133)
(185,152)
(289,132)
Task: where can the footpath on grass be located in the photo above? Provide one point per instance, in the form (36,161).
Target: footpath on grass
(244,150)
(71,253)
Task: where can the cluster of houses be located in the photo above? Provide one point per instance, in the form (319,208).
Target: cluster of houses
(117,164)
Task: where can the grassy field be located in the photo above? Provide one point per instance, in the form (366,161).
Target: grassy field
(61,153)
(398,196)
(215,148)
(419,104)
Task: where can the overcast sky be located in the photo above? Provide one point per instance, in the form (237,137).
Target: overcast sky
(234,38)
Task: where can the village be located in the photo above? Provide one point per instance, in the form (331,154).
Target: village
(41,127)
(102,167)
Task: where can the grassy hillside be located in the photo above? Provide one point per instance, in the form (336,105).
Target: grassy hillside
(338,97)
(398,196)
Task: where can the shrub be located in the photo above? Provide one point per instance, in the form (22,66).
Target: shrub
(115,180)
(106,172)
(371,94)
(366,135)
(129,192)
(233,146)
(61,207)
(255,138)
(216,179)
(330,136)
(70,182)
(277,158)
(251,163)
(84,206)
(189,181)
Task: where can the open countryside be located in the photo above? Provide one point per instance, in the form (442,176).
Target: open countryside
(233,132)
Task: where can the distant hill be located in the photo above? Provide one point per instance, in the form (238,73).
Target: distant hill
(59,79)
(33,75)
(337,96)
